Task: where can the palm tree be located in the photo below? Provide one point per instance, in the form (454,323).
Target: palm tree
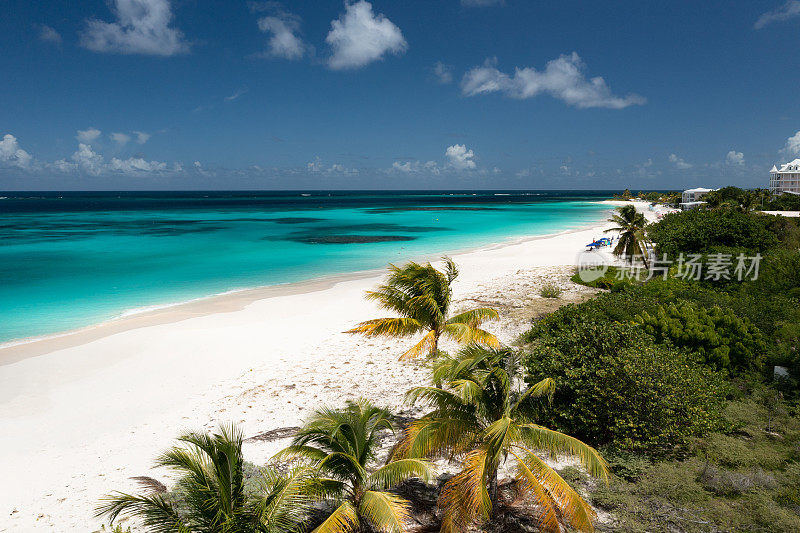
(483,418)
(340,445)
(422,296)
(630,225)
(210,494)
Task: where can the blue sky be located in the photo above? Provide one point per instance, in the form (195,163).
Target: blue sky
(445,94)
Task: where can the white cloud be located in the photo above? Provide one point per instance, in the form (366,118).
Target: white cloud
(88,135)
(12,155)
(792,145)
(562,78)
(359,37)
(679,162)
(120,138)
(49,35)
(88,160)
(141,137)
(460,158)
(284,41)
(443,73)
(735,158)
(142,27)
(135,165)
(236,95)
(789,10)
(315,165)
(413,167)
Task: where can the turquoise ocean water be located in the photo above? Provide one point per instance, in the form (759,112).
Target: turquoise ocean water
(69,260)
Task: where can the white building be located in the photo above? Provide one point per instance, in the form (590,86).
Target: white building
(691,197)
(785,180)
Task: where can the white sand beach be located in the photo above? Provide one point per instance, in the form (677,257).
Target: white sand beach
(83,413)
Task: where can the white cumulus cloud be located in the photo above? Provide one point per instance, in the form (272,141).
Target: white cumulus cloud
(12,155)
(562,78)
(679,162)
(735,158)
(284,41)
(413,167)
(120,138)
(315,165)
(141,137)
(142,27)
(792,145)
(86,161)
(359,37)
(459,157)
(443,73)
(135,165)
(88,135)
(789,10)
(49,35)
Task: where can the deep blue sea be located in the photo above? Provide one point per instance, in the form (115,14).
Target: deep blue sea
(69,260)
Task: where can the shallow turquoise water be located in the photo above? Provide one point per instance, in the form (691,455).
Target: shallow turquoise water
(71,260)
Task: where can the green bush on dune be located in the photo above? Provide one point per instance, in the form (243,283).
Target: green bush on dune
(716,334)
(704,231)
(614,385)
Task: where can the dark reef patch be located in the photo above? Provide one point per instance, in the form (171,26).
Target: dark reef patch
(351,239)
(429,208)
(295,220)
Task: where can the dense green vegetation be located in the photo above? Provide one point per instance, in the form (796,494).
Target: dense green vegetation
(717,335)
(699,433)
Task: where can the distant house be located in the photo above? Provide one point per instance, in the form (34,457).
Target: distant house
(691,197)
(785,180)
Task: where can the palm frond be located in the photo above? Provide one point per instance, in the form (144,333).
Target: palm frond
(343,520)
(423,348)
(498,437)
(465,334)
(549,518)
(537,478)
(308,454)
(390,298)
(475,317)
(545,387)
(156,512)
(387,327)
(554,442)
(450,269)
(284,501)
(432,437)
(470,391)
(385,511)
(464,499)
(398,471)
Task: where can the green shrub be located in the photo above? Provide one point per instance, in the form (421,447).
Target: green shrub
(716,334)
(701,231)
(615,385)
(550,290)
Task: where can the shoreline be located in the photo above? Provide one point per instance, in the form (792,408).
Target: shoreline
(229,301)
(90,416)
